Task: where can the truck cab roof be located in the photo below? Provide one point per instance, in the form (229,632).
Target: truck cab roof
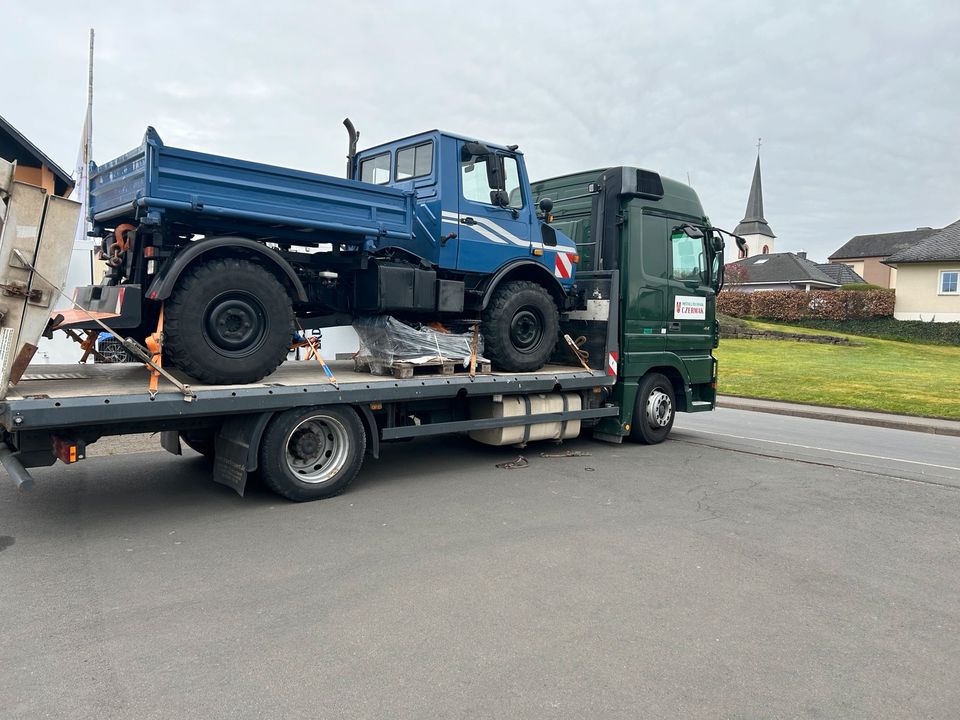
(430,135)
(663,192)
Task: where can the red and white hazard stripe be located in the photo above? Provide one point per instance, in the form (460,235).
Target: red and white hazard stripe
(612,363)
(563,266)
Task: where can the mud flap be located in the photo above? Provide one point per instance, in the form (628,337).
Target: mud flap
(237,446)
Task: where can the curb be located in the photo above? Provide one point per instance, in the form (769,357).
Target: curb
(933,426)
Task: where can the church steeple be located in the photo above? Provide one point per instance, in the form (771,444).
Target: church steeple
(754,227)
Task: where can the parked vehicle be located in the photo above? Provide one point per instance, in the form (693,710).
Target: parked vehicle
(239,255)
(653,266)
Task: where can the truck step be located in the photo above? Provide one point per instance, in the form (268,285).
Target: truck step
(405,370)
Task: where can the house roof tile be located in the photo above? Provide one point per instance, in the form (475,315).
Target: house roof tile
(941,246)
(881,244)
(783,268)
(840,273)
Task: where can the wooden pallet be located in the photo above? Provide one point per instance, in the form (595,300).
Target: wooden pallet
(405,370)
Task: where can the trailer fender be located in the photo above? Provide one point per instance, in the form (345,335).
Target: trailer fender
(370,425)
(162,286)
(525,270)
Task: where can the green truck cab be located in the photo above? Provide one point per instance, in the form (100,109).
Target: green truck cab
(654,233)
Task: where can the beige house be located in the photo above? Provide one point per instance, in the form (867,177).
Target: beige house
(866,254)
(928,278)
(33,166)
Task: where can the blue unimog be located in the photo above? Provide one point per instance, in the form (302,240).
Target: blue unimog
(225,259)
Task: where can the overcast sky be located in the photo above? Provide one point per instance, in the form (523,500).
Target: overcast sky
(858,103)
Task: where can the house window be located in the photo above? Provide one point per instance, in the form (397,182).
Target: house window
(949,281)
(376,169)
(766,249)
(415,161)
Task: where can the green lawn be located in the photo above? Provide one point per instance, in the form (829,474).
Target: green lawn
(882,375)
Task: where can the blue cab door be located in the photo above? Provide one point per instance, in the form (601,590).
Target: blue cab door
(490,235)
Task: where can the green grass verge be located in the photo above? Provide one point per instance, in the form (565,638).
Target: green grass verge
(880,375)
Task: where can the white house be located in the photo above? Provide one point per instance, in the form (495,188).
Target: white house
(928,278)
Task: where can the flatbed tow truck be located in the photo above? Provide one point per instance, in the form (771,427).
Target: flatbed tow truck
(650,270)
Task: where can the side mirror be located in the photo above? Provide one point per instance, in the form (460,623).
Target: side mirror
(717,243)
(494,176)
(546,205)
(500,198)
(691,231)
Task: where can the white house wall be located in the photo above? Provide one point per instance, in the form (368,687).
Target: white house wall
(918,295)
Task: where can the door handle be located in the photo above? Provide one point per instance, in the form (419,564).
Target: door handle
(673,327)
(468,221)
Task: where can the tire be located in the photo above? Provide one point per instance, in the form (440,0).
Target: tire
(520,327)
(113,351)
(654,411)
(312,453)
(228,321)
(201,441)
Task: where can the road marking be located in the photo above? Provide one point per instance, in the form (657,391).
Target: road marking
(813,447)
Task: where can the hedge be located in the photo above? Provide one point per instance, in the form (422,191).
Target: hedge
(913,331)
(794,305)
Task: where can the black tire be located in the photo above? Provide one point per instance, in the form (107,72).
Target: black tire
(312,453)
(228,321)
(201,441)
(520,327)
(655,409)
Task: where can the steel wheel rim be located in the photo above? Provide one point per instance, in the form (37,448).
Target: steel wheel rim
(316,449)
(526,329)
(659,408)
(235,323)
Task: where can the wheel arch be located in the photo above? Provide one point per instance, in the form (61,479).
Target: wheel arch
(220,247)
(675,376)
(524,270)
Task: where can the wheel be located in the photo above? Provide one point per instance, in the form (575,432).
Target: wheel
(654,411)
(520,327)
(312,453)
(113,351)
(228,321)
(201,441)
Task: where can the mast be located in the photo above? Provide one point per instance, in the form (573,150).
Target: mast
(88,135)
(86,152)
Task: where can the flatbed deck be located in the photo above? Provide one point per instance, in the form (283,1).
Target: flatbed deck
(51,396)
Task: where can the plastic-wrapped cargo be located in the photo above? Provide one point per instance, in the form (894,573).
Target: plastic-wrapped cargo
(384,340)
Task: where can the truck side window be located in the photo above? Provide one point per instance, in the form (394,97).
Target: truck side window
(689,264)
(473,178)
(376,169)
(511,181)
(415,161)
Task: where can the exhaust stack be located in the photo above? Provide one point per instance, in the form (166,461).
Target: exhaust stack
(354,135)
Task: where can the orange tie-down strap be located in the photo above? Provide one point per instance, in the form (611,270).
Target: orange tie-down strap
(155,346)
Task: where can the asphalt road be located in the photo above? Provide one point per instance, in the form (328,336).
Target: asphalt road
(703,578)
(894,453)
